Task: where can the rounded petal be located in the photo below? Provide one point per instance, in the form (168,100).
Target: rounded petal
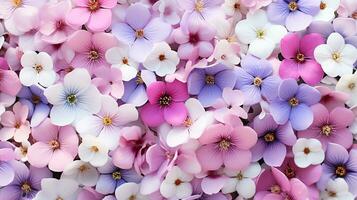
(100,20)
(301,117)
(176,113)
(152,115)
(209,157)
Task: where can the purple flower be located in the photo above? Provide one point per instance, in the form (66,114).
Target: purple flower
(7,157)
(209,83)
(140,31)
(296,15)
(339,164)
(255,79)
(293,104)
(272,140)
(112,177)
(34,99)
(26,184)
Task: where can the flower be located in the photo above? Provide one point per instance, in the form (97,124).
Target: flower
(296,15)
(176,184)
(129,191)
(336,57)
(118,57)
(293,104)
(112,177)
(272,140)
(108,122)
(221,143)
(109,81)
(15,124)
(347,8)
(162,60)
(242,181)
(140,34)
(336,189)
(82,172)
(331,98)
(8,77)
(96,14)
(299,58)
(59,143)
(90,49)
(327,10)
(169,11)
(93,150)
(256,80)
(328,126)
(339,164)
(261,35)
(208,83)
(21,150)
(7,171)
(72,100)
(234,8)
(166,103)
(224,53)
(348,85)
(26,184)
(308,152)
(37,68)
(65,189)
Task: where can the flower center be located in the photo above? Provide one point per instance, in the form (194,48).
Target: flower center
(351,86)
(260,34)
(322,5)
(116,175)
(35,99)
(188,122)
(139,33)
(83,168)
(257,81)
(54,144)
(139,79)
(332,194)
(306,150)
(294,101)
(354,15)
(293,6)
(38,68)
(17,3)
(94,149)
(23,150)
(26,188)
(93,55)
(240,176)
(336,56)
(59,198)
(300,57)
(236,6)
(107,121)
(162,57)
(125,61)
(199,5)
(269,137)
(178,182)
(275,189)
(165,100)
(60,25)
(93,5)
(209,80)
(132,197)
(71,99)
(194,38)
(340,171)
(326,130)
(289,172)
(17,125)
(224,144)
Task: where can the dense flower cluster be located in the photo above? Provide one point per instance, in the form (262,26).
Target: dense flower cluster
(178,99)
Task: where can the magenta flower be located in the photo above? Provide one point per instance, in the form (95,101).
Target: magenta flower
(57,144)
(299,58)
(223,144)
(96,14)
(166,103)
(90,49)
(330,126)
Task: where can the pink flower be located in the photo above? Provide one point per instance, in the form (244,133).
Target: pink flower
(96,14)
(331,98)
(109,81)
(254,5)
(90,49)
(166,103)
(330,126)
(15,124)
(299,58)
(7,78)
(222,144)
(53,144)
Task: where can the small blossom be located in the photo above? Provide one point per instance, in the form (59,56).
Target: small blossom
(308,152)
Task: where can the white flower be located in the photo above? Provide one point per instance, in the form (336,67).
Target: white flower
(308,152)
(168,11)
(162,60)
(119,58)
(37,68)
(197,121)
(242,181)
(21,151)
(108,122)
(336,57)
(327,10)
(73,99)
(63,189)
(177,184)
(224,53)
(233,8)
(261,35)
(82,172)
(348,84)
(129,191)
(336,190)
(93,150)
